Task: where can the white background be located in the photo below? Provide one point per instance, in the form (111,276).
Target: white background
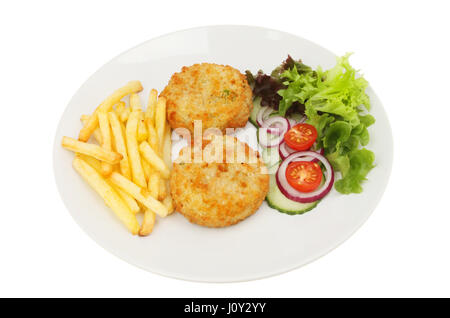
(49,48)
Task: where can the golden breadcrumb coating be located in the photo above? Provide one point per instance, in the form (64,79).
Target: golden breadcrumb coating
(218,194)
(218,95)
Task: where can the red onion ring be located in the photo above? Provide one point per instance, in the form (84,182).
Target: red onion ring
(304,197)
(285,151)
(276,125)
(262,115)
(267,142)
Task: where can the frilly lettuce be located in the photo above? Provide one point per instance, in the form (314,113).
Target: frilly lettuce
(361,162)
(334,104)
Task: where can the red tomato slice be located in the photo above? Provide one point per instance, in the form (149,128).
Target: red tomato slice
(301,137)
(304,176)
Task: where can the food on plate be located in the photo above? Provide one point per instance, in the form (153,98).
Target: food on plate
(133,148)
(316,119)
(97,134)
(91,150)
(96,164)
(129,180)
(154,160)
(106,106)
(304,176)
(139,194)
(105,130)
(218,95)
(218,193)
(119,141)
(148,223)
(311,124)
(300,137)
(108,194)
(160,120)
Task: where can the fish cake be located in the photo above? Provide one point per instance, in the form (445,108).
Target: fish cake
(218,194)
(218,95)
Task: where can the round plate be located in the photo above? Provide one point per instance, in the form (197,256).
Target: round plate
(264,244)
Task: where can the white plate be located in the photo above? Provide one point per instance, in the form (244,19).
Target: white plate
(266,243)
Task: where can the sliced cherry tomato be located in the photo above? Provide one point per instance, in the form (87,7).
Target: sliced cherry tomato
(301,137)
(304,176)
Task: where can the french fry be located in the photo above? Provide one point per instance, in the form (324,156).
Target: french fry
(154,160)
(153,184)
(128,199)
(142,132)
(97,134)
(137,192)
(162,193)
(106,137)
(147,169)
(160,119)
(168,202)
(91,150)
(148,223)
(94,163)
(152,135)
(125,114)
(133,150)
(108,194)
(119,108)
(167,147)
(135,102)
(119,139)
(106,106)
(151,107)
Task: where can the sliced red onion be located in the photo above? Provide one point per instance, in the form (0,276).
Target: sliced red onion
(296,195)
(262,115)
(285,151)
(267,139)
(302,120)
(276,125)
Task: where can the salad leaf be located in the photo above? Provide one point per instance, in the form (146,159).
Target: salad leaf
(367,120)
(299,87)
(337,133)
(340,92)
(333,101)
(288,64)
(339,162)
(268,86)
(361,162)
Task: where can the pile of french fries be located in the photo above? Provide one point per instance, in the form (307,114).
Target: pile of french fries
(129,164)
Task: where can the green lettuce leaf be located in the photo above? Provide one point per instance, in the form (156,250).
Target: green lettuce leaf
(340,92)
(299,87)
(334,101)
(339,162)
(336,134)
(361,162)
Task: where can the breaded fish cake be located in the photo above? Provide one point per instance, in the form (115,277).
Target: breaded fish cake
(218,194)
(218,95)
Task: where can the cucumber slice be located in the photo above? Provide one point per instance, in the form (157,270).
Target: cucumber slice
(278,201)
(271,158)
(255,110)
